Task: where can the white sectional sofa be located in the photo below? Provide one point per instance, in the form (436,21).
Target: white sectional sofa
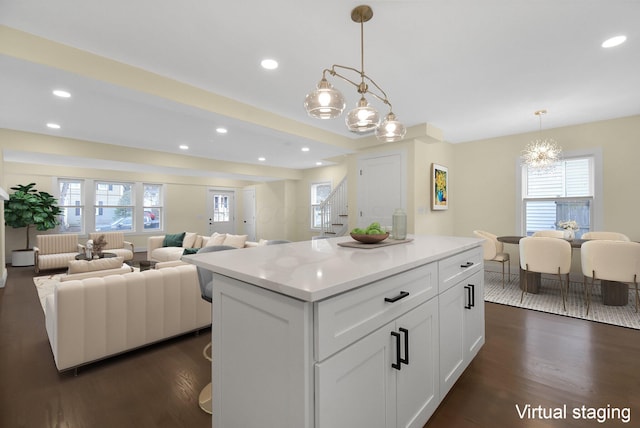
(94,318)
(158,252)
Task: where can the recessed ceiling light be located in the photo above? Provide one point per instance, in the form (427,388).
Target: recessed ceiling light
(318,163)
(269,64)
(53,125)
(183,147)
(614,41)
(305,149)
(261,159)
(221,130)
(61,93)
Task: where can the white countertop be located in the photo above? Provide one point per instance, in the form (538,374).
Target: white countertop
(318,269)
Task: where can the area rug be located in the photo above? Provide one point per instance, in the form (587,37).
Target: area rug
(549,300)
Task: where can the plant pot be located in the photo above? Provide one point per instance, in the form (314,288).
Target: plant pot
(22,258)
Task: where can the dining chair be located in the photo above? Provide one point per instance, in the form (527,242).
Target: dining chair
(493,250)
(611,261)
(612,236)
(549,234)
(545,255)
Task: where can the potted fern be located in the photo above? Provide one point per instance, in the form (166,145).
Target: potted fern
(28,207)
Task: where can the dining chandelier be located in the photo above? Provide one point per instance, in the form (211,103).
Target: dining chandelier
(541,154)
(326,102)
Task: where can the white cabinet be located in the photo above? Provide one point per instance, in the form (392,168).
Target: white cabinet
(382,354)
(461,317)
(387,379)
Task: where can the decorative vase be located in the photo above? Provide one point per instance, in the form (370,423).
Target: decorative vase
(569,234)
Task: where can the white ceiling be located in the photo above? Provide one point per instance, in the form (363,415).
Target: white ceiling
(474,69)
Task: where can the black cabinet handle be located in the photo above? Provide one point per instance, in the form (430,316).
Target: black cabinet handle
(398,364)
(405,332)
(471,296)
(402,295)
(466,265)
(468,305)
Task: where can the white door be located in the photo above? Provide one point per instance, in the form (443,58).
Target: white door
(381,188)
(249,213)
(221,211)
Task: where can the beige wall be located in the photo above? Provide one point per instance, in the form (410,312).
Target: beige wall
(485,176)
(185,198)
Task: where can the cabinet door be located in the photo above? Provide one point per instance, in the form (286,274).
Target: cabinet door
(474,315)
(452,346)
(418,381)
(355,387)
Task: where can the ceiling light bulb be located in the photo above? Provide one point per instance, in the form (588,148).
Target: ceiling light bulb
(269,64)
(390,130)
(61,93)
(363,118)
(261,159)
(53,126)
(183,147)
(318,163)
(325,102)
(614,41)
(305,149)
(221,130)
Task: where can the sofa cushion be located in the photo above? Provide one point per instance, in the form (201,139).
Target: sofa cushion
(81,266)
(216,239)
(165,254)
(189,240)
(173,239)
(188,251)
(237,241)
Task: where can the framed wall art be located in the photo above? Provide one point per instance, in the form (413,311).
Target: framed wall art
(439,187)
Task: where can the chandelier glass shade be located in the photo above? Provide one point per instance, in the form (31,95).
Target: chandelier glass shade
(326,102)
(363,118)
(542,154)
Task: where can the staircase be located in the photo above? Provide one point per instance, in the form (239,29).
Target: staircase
(333,212)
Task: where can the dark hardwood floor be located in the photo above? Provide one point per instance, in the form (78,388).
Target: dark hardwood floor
(529,358)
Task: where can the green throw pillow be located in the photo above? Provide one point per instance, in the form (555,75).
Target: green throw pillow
(173,240)
(188,251)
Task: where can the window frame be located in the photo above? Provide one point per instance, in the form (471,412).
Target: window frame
(78,207)
(597,208)
(314,205)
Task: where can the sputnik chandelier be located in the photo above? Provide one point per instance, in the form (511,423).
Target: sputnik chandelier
(326,102)
(541,154)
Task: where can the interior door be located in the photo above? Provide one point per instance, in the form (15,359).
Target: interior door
(381,188)
(249,213)
(221,211)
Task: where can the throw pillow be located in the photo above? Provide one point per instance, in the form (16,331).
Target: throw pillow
(173,239)
(216,239)
(188,251)
(189,240)
(236,241)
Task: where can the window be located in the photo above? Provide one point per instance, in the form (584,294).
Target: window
(71,204)
(319,192)
(114,206)
(564,193)
(221,209)
(152,206)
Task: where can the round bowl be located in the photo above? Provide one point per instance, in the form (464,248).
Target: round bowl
(370,239)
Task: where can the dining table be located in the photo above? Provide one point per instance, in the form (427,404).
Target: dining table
(613,293)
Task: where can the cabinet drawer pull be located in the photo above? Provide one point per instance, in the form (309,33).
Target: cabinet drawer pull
(471,296)
(466,265)
(398,364)
(402,295)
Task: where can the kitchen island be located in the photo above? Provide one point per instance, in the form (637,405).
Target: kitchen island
(313,334)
